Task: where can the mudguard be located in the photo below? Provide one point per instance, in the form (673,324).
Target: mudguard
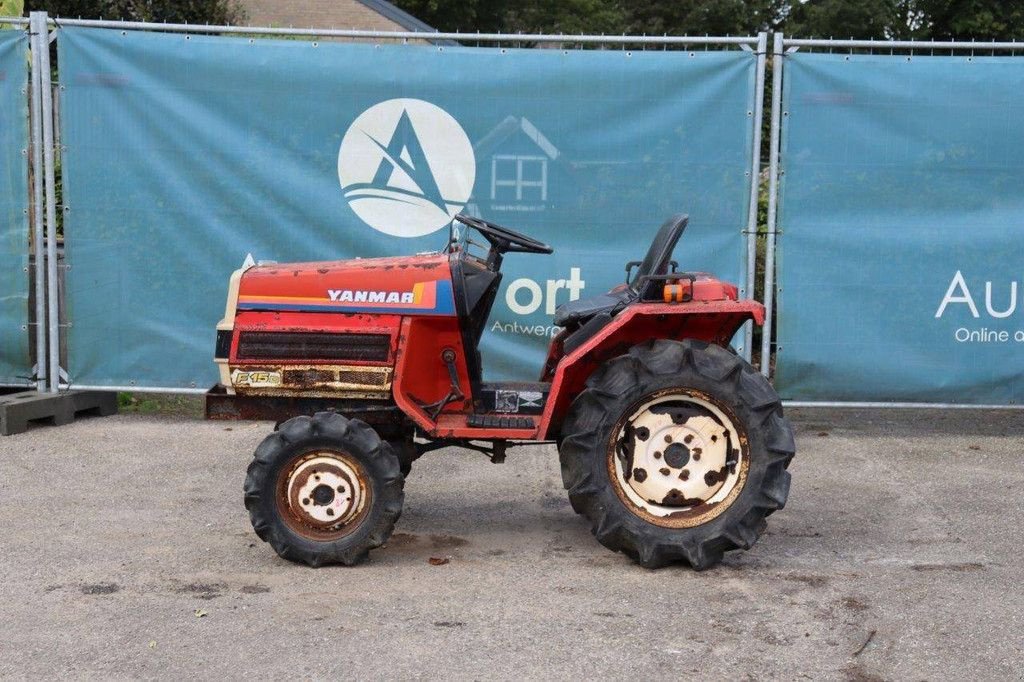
(710,321)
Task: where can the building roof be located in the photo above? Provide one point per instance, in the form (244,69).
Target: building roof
(398,15)
(508,127)
(402,18)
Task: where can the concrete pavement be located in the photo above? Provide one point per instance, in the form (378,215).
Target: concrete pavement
(127,553)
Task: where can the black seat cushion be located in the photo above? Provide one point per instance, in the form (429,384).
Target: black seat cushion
(575,312)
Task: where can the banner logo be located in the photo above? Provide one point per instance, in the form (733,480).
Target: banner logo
(406,167)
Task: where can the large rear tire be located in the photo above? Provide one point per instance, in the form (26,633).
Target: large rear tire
(676,451)
(324,490)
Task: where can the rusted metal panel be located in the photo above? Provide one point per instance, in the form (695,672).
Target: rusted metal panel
(313,380)
(219,405)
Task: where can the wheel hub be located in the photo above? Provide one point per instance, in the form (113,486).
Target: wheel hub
(324,491)
(675,455)
(323,495)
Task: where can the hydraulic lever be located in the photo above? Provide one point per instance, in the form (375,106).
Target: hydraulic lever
(455,392)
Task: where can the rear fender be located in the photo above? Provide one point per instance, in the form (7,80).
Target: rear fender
(710,321)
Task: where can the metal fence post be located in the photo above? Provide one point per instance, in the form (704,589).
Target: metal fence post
(43,42)
(773,188)
(37,196)
(755,184)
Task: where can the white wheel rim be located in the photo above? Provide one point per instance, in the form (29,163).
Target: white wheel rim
(678,459)
(324,492)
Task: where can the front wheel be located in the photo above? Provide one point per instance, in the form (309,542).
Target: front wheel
(324,490)
(676,451)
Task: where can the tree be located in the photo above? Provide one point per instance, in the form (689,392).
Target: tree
(844,19)
(486,16)
(969,19)
(567,16)
(894,19)
(907,19)
(529,16)
(183,11)
(707,17)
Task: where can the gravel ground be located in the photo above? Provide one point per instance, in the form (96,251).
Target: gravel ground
(127,553)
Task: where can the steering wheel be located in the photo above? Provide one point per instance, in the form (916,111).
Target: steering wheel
(502,239)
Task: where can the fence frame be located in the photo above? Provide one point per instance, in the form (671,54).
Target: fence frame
(48,374)
(750,41)
(36,133)
(38,337)
(41,64)
(756,44)
(782,47)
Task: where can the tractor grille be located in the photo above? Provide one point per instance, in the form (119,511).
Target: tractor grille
(339,378)
(313,346)
(312,381)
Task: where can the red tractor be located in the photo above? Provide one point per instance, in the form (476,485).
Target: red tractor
(672,446)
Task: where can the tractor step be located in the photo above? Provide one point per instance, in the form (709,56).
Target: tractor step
(494,421)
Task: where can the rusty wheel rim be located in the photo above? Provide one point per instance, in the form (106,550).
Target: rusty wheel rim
(678,458)
(324,495)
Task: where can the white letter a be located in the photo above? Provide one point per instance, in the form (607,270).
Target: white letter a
(965,297)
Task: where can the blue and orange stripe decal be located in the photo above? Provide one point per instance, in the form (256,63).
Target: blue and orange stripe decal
(429,298)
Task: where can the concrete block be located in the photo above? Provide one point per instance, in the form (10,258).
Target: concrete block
(18,409)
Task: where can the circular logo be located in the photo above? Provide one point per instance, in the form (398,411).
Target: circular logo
(406,167)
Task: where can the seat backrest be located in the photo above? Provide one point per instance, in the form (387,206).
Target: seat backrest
(657,260)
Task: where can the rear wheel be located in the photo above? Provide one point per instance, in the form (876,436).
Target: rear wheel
(676,451)
(324,490)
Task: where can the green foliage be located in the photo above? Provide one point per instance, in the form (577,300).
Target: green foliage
(896,19)
(486,16)
(11,8)
(508,16)
(171,11)
(568,16)
(844,19)
(703,17)
(907,19)
(968,19)
(161,404)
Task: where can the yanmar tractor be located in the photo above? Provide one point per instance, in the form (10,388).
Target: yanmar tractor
(671,445)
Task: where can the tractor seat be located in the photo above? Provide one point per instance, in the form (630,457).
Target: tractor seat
(575,312)
(605,306)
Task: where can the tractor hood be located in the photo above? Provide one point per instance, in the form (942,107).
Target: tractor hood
(412,285)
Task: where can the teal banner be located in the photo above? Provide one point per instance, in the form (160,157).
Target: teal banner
(902,219)
(15,362)
(186,153)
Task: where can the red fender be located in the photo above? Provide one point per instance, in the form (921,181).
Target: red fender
(710,321)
